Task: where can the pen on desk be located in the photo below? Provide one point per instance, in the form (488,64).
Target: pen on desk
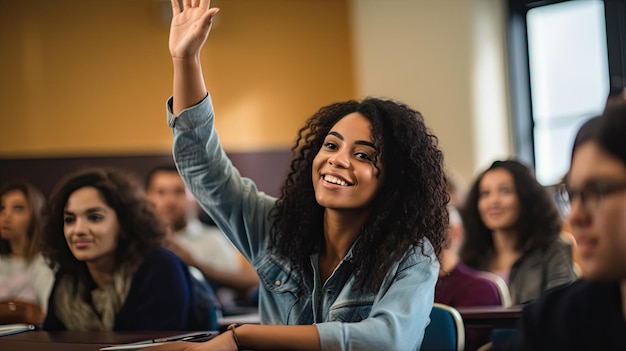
(184,337)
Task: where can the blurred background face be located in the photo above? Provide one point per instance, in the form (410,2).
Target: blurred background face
(166,192)
(600,225)
(15,216)
(90,226)
(498,203)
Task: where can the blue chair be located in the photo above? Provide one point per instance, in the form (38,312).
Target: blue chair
(446,331)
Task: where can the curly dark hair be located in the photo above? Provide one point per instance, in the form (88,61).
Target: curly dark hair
(410,205)
(37,203)
(140,229)
(538,224)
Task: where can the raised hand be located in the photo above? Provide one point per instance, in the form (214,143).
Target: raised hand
(190,27)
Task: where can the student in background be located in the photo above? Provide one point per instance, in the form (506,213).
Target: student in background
(589,314)
(461,286)
(104,240)
(199,245)
(24,275)
(347,255)
(512,228)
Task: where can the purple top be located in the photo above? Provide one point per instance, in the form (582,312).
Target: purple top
(465,287)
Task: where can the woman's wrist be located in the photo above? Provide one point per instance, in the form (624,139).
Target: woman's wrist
(232,328)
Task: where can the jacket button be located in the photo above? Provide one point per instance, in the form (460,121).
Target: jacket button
(277,283)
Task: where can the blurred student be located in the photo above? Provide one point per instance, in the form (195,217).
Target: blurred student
(24,275)
(589,314)
(199,245)
(461,286)
(512,228)
(104,240)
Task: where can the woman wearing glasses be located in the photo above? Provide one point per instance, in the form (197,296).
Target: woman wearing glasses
(512,229)
(589,314)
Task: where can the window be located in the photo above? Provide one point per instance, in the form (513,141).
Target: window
(561,64)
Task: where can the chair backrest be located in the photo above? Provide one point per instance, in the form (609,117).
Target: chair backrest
(446,331)
(503,288)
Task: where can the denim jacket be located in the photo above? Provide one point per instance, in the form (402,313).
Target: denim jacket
(393,318)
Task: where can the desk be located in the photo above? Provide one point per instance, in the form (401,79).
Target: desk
(491,316)
(75,341)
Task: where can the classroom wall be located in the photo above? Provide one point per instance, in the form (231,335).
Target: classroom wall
(447,59)
(90,77)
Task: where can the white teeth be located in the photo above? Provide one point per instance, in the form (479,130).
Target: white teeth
(335,180)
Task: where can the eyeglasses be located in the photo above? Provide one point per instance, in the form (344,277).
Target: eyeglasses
(590,196)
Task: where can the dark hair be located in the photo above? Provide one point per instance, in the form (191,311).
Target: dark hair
(140,230)
(153,172)
(410,205)
(607,130)
(538,225)
(37,202)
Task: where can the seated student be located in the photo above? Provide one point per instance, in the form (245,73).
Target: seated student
(24,275)
(199,245)
(589,314)
(512,228)
(459,285)
(104,240)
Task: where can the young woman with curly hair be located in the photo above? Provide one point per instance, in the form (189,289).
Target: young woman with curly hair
(103,239)
(512,228)
(347,256)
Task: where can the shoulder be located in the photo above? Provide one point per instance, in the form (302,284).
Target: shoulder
(559,245)
(419,255)
(158,259)
(560,300)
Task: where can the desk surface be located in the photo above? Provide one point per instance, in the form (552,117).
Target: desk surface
(491,316)
(76,341)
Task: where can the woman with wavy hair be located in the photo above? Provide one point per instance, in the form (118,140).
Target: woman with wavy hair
(104,241)
(347,255)
(512,228)
(24,275)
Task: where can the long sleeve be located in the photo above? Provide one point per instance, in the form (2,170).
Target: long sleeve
(232,201)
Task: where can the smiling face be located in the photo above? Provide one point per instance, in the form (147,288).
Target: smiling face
(600,230)
(344,173)
(91,227)
(15,216)
(498,203)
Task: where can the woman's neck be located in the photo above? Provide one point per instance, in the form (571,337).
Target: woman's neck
(505,241)
(505,250)
(341,229)
(18,247)
(101,272)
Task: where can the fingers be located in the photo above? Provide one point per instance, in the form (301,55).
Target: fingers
(186,4)
(175,7)
(194,3)
(205,4)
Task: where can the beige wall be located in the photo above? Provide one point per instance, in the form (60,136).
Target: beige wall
(446,59)
(91,77)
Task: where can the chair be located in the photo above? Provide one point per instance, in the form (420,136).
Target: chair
(503,288)
(446,331)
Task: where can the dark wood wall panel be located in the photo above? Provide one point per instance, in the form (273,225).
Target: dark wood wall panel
(266,168)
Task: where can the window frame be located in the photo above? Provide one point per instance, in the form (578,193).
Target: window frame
(519,68)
